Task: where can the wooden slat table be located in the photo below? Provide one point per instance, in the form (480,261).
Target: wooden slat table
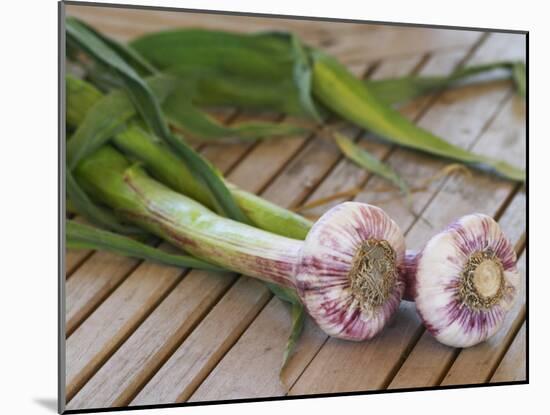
(140,333)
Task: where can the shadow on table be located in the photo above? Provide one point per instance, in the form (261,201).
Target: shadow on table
(48,403)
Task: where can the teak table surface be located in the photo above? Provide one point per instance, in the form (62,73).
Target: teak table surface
(140,333)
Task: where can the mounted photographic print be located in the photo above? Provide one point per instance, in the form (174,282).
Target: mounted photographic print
(284,207)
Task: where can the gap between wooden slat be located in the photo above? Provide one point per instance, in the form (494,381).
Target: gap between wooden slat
(78,385)
(177,344)
(70,328)
(442,183)
(507,370)
(486,125)
(84,257)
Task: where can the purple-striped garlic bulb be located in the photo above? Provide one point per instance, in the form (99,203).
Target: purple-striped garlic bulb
(348,275)
(464,281)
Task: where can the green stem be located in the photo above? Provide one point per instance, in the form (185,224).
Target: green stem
(186,223)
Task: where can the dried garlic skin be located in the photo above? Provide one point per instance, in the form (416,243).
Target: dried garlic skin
(466,281)
(348,275)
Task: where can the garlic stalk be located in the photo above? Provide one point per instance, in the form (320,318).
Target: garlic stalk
(464,281)
(345,272)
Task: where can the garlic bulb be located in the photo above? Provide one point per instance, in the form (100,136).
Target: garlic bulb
(348,276)
(464,281)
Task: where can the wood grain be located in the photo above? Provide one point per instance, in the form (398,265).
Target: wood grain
(513,366)
(74,258)
(191,363)
(149,345)
(90,344)
(91,283)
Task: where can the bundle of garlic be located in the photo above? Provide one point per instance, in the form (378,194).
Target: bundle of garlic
(350,271)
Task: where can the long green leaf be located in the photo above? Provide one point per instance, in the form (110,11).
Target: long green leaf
(255,56)
(399,90)
(126,52)
(82,236)
(247,56)
(102,121)
(286,294)
(109,117)
(184,115)
(349,97)
(364,159)
(278,96)
(302,73)
(162,163)
(298,319)
(520,78)
(150,110)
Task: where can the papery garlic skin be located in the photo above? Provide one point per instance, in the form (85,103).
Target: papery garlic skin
(331,260)
(466,281)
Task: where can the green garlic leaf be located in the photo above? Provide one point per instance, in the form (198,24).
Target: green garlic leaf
(298,319)
(364,159)
(81,236)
